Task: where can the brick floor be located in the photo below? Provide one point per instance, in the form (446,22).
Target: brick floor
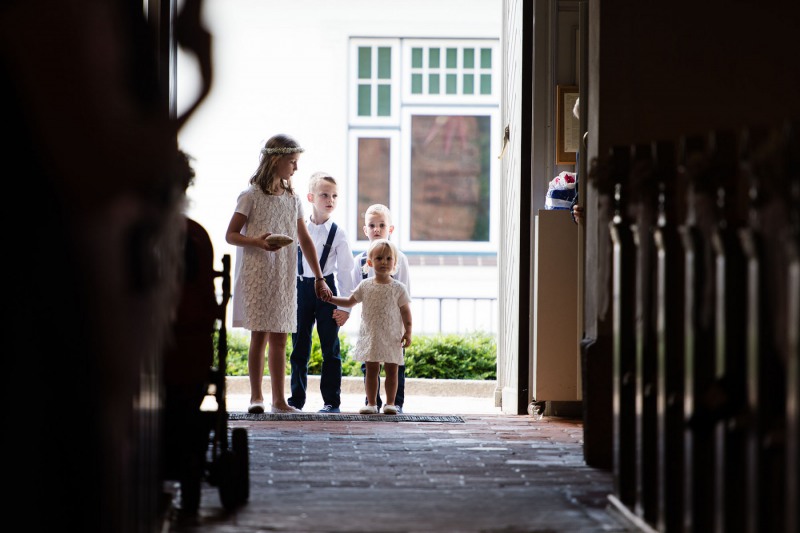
(492,473)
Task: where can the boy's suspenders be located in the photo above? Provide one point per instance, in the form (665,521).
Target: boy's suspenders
(325,251)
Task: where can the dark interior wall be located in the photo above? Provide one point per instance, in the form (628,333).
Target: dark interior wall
(683,66)
(565,65)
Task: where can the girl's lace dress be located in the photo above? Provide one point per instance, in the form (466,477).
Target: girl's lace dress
(265,283)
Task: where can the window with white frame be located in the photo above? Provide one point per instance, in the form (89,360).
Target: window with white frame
(374,162)
(423,124)
(374,71)
(453,72)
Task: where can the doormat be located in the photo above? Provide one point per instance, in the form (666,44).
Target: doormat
(343,417)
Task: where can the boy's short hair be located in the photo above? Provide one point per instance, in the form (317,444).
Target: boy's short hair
(316,177)
(383,243)
(379,209)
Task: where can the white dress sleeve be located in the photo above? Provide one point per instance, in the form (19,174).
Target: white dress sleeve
(244,203)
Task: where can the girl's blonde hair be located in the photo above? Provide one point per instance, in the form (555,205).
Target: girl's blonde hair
(277,146)
(377,246)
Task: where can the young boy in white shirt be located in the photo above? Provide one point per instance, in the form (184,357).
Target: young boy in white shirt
(378,225)
(336,262)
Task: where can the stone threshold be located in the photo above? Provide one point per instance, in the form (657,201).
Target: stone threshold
(472,388)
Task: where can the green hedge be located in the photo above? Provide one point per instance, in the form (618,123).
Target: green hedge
(469,356)
(450,356)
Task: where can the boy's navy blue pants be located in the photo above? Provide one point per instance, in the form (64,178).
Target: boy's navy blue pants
(311,310)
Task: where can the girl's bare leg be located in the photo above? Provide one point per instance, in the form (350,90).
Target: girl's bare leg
(255,364)
(390,382)
(371,382)
(276,357)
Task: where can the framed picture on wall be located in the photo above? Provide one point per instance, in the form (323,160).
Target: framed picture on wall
(567,126)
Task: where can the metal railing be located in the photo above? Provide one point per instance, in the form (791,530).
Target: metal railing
(446,314)
(454,314)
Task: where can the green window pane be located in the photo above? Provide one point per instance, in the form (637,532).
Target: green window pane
(384,63)
(364,62)
(433,58)
(469,84)
(364,100)
(486,84)
(452,58)
(416,84)
(384,100)
(486,58)
(433,84)
(469,58)
(416,58)
(451,86)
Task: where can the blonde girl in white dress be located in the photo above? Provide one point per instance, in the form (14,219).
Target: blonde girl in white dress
(385,323)
(265,277)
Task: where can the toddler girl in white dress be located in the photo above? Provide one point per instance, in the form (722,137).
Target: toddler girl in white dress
(385,323)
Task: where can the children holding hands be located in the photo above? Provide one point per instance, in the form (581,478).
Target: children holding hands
(385,323)
(280,289)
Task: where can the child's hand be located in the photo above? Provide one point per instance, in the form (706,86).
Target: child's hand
(405,342)
(262,241)
(577,214)
(340,317)
(322,290)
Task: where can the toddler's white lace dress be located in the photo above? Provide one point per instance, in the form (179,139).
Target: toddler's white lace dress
(381,329)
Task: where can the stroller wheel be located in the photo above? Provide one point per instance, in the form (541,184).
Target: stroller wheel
(234,472)
(227,482)
(241,455)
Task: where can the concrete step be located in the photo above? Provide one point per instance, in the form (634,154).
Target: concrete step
(355,385)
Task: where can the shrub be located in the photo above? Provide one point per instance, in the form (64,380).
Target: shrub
(450,356)
(239,343)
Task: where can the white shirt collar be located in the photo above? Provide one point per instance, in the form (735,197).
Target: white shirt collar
(327,224)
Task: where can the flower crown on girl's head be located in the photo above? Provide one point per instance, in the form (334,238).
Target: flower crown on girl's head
(282,150)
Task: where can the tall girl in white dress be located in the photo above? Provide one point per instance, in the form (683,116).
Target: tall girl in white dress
(385,323)
(265,290)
